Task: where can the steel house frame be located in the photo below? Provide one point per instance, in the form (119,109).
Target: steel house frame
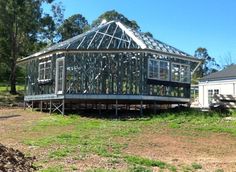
(107,66)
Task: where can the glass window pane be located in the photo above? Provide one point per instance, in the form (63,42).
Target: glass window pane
(210,96)
(175,72)
(45,70)
(185,73)
(153,67)
(164,70)
(216,91)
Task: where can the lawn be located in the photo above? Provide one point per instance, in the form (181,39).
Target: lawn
(170,141)
(7,99)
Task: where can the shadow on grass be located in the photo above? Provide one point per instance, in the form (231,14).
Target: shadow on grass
(7,99)
(135,115)
(8,116)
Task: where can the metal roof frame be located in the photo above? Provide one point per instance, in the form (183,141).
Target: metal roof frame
(112,34)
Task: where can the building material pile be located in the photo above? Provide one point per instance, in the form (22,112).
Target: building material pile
(13,160)
(228,101)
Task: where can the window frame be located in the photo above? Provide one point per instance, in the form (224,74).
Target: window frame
(180,76)
(44,69)
(213,91)
(159,69)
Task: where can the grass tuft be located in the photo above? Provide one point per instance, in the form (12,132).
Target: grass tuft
(53,169)
(139,169)
(196,166)
(148,162)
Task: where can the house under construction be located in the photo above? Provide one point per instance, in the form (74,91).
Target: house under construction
(108,66)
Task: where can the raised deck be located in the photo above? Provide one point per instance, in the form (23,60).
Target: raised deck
(99,98)
(54,102)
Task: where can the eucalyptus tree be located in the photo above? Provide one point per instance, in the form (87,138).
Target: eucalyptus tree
(114,15)
(20,28)
(74,25)
(209,64)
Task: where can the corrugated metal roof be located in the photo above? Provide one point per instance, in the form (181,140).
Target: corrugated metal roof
(227,73)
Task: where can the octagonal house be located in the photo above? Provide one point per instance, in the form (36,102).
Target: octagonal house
(106,67)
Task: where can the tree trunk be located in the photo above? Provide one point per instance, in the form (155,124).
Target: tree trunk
(13,77)
(14,55)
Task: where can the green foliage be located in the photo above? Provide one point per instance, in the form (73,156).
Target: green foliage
(148,34)
(114,15)
(209,64)
(23,26)
(73,26)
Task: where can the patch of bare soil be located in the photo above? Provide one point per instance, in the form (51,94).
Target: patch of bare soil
(13,126)
(90,161)
(215,151)
(95,161)
(14,160)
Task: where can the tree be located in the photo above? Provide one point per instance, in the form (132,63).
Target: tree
(227,60)
(114,15)
(50,24)
(20,23)
(209,64)
(73,26)
(148,34)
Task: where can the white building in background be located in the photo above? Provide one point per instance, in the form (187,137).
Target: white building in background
(222,82)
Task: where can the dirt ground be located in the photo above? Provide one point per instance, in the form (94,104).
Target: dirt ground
(213,151)
(217,151)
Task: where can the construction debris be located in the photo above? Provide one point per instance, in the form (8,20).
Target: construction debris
(13,160)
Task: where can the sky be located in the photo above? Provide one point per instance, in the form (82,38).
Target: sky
(184,24)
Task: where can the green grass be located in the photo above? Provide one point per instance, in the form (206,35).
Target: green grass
(148,162)
(6,88)
(194,120)
(219,170)
(6,98)
(139,169)
(62,152)
(55,121)
(100,170)
(53,169)
(84,136)
(196,166)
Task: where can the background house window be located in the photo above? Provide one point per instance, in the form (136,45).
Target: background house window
(216,91)
(211,94)
(45,70)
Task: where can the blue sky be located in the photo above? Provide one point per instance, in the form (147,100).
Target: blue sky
(184,24)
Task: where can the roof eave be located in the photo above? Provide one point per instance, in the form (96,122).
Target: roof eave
(36,55)
(218,79)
